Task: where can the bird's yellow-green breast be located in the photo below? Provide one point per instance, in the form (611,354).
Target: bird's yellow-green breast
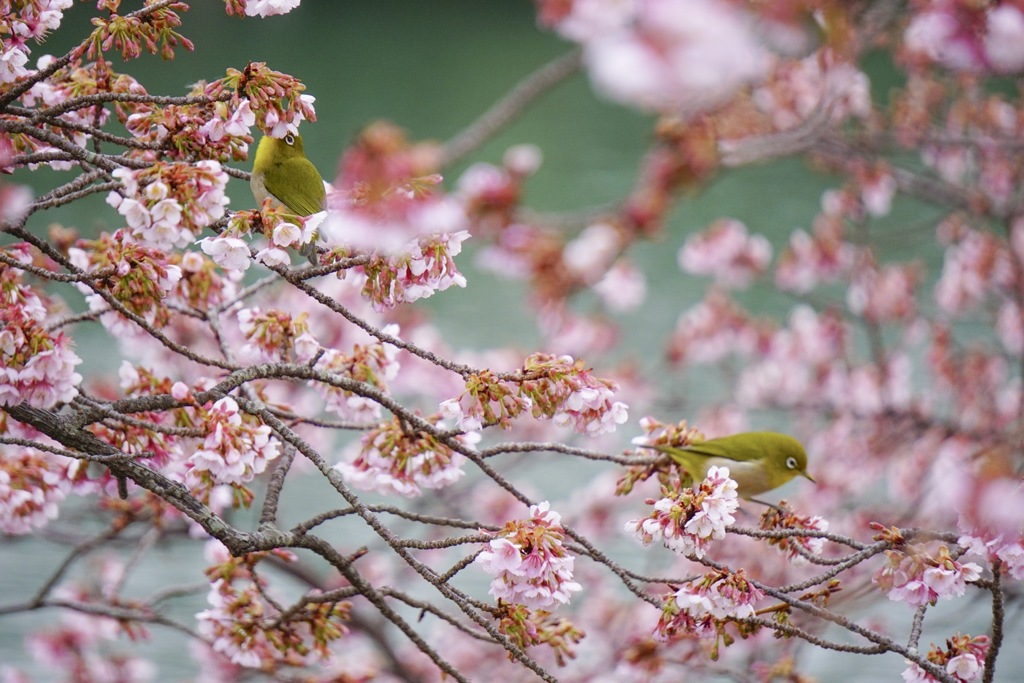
(758,461)
(282,171)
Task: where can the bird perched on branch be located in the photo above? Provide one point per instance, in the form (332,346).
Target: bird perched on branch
(282,172)
(757,461)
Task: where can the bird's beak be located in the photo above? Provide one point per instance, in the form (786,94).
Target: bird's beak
(809,477)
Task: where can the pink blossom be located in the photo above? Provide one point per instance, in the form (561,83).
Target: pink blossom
(884,294)
(15,201)
(799,89)
(563,390)
(586,19)
(273,257)
(12,64)
(485,399)
(975,264)
(167,204)
(689,520)
(229,253)
(393,226)
(963,658)
(390,461)
(269,7)
(592,251)
(529,563)
(375,364)
(623,287)
(676,55)
(523,160)
(918,578)
(32,486)
(576,334)
(938,36)
(234,451)
(502,555)
(425,267)
(811,259)
(1004,40)
(727,253)
(712,330)
(35,366)
(700,606)
(877,194)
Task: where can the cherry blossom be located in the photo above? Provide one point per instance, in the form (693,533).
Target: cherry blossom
(36,366)
(727,253)
(529,563)
(234,450)
(687,520)
(266,8)
(702,606)
(918,579)
(963,658)
(667,59)
(390,461)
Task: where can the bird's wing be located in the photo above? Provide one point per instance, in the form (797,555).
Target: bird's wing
(307,195)
(722,448)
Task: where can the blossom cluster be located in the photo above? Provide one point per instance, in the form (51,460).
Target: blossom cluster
(563,390)
(85,645)
(688,520)
(282,228)
(642,53)
(796,548)
(824,81)
(392,460)
(27,21)
(371,364)
(249,628)
(155,31)
(819,257)
(419,269)
(234,450)
(274,335)
(1005,548)
(138,277)
(212,130)
(201,287)
(167,204)
(595,258)
(726,252)
(487,400)
(528,561)
(277,103)
(32,486)
(36,365)
(267,8)
(917,578)
(526,628)
(963,658)
(387,202)
(713,330)
(967,37)
(490,194)
(704,605)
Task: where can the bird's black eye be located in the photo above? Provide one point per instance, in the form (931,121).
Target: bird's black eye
(289,139)
(791,462)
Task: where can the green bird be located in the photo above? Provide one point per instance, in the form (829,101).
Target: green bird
(282,172)
(757,461)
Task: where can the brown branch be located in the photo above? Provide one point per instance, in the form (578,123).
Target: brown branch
(505,110)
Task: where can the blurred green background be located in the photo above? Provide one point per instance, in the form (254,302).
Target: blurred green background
(432,68)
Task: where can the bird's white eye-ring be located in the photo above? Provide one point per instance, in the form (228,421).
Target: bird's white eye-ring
(791,462)
(289,139)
